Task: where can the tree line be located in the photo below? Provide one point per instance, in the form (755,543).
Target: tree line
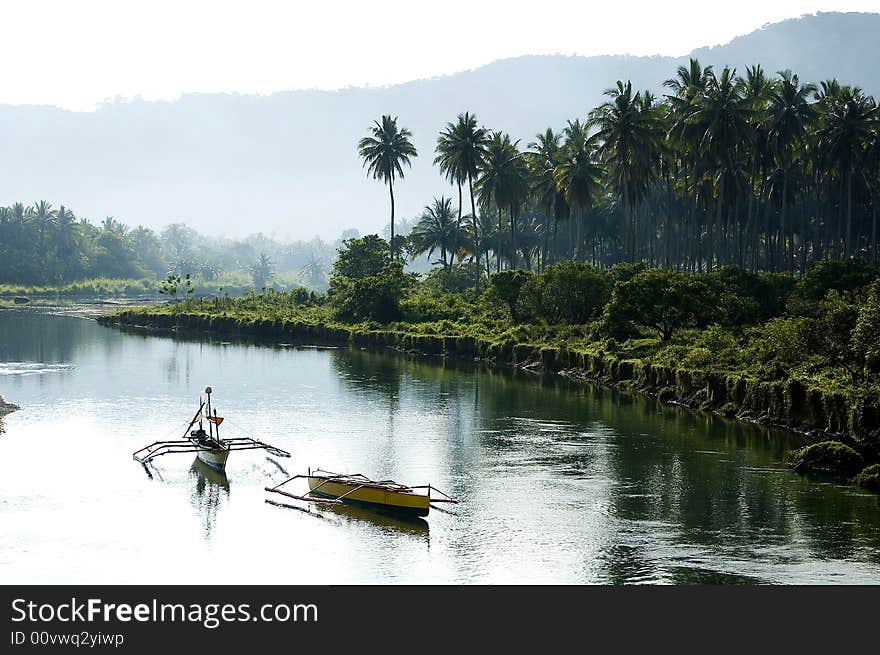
(764,172)
(42,245)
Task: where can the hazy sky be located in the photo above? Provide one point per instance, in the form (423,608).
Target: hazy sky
(77,53)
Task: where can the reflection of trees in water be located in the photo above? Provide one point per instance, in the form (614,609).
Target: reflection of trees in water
(211,488)
(708,482)
(29,337)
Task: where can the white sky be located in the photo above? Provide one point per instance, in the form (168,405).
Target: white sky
(78,53)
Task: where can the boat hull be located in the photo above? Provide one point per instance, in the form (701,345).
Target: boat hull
(397,502)
(215,458)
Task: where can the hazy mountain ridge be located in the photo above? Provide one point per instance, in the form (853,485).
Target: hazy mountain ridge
(287,162)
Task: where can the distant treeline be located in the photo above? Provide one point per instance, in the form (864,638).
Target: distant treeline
(42,245)
(757,170)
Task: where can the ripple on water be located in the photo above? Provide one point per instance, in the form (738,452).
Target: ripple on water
(33,368)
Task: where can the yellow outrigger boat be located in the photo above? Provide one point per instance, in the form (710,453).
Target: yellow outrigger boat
(357,489)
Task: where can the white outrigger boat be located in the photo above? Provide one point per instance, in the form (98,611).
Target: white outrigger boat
(207,445)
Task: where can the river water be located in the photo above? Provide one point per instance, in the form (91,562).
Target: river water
(558,482)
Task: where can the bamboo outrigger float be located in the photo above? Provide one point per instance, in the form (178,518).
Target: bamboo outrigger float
(357,489)
(208,446)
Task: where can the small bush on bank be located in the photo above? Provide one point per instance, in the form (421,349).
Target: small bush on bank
(869,478)
(830,457)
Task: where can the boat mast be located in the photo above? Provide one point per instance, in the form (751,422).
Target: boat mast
(210,429)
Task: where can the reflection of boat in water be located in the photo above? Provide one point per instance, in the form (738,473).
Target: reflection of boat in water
(208,475)
(212,486)
(207,445)
(359,490)
(414,525)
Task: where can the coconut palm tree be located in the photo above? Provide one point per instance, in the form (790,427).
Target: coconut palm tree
(629,134)
(501,181)
(578,176)
(437,229)
(460,149)
(385,152)
(790,116)
(262,271)
(688,85)
(721,119)
(542,159)
(848,122)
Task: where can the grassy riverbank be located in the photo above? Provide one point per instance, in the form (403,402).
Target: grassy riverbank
(229,284)
(783,371)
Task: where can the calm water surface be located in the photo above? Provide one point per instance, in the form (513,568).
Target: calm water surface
(558,482)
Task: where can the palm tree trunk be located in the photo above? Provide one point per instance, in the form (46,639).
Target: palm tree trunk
(874,232)
(391,191)
(457,229)
(781,244)
(512,237)
(849,177)
(476,230)
(498,249)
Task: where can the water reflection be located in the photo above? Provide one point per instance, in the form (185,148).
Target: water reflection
(210,493)
(558,481)
(381,521)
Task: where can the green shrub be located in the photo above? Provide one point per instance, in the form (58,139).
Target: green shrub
(827,457)
(661,300)
(869,478)
(371,298)
(567,292)
(825,276)
(505,286)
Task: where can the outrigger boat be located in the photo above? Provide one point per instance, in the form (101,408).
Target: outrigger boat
(209,448)
(357,489)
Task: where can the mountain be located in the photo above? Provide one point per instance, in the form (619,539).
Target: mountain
(287,163)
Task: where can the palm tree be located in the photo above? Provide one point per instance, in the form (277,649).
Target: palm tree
(790,116)
(629,133)
(756,89)
(687,87)
(721,118)
(577,176)
(847,124)
(460,149)
(66,238)
(385,152)
(542,161)
(501,180)
(437,229)
(262,271)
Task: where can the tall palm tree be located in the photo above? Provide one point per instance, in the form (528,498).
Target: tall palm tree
(543,157)
(66,238)
(577,176)
(688,86)
(437,229)
(847,125)
(385,152)
(460,149)
(790,116)
(500,181)
(756,88)
(721,118)
(629,134)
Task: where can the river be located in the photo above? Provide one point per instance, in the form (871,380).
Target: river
(558,482)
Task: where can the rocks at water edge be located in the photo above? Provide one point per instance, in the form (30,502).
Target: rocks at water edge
(6,408)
